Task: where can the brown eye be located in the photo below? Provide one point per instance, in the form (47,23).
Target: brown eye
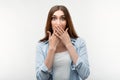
(54,18)
(63,18)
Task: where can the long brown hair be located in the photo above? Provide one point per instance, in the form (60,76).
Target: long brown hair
(69,25)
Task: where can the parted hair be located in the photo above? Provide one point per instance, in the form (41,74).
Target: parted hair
(69,24)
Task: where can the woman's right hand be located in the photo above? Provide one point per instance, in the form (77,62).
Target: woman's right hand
(53,40)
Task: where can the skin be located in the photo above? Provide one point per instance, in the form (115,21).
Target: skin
(59,41)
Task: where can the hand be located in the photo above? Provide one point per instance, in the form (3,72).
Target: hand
(63,35)
(53,40)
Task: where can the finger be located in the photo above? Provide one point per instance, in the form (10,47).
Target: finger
(59,31)
(56,34)
(66,30)
(62,30)
(49,33)
(54,30)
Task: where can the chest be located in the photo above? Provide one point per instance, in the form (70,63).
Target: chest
(60,49)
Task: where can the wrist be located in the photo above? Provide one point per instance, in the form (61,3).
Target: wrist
(69,45)
(52,48)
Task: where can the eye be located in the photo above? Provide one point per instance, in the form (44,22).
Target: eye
(54,18)
(62,18)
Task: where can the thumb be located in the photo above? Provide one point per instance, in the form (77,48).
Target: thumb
(49,33)
(66,30)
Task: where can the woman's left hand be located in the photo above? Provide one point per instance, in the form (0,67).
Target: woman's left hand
(63,35)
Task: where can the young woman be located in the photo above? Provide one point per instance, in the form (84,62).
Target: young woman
(61,54)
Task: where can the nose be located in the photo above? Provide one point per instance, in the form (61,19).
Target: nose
(58,22)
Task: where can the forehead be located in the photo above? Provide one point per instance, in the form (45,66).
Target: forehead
(58,13)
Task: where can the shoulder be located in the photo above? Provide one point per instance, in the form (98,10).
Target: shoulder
(41,44)
(78,42)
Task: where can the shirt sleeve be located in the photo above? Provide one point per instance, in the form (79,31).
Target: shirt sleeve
(42,72)
(82,65)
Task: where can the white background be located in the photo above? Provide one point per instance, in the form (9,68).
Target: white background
(22,24)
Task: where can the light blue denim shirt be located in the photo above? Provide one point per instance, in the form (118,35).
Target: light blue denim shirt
(79,71)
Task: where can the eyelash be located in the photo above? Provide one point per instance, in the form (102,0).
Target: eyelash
(54,18)
(62,18)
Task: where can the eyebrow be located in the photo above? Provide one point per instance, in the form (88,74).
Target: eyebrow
(61,15)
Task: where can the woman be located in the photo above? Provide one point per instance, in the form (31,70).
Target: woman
(61,54)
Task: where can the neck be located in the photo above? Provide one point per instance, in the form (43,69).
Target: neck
(60,44)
